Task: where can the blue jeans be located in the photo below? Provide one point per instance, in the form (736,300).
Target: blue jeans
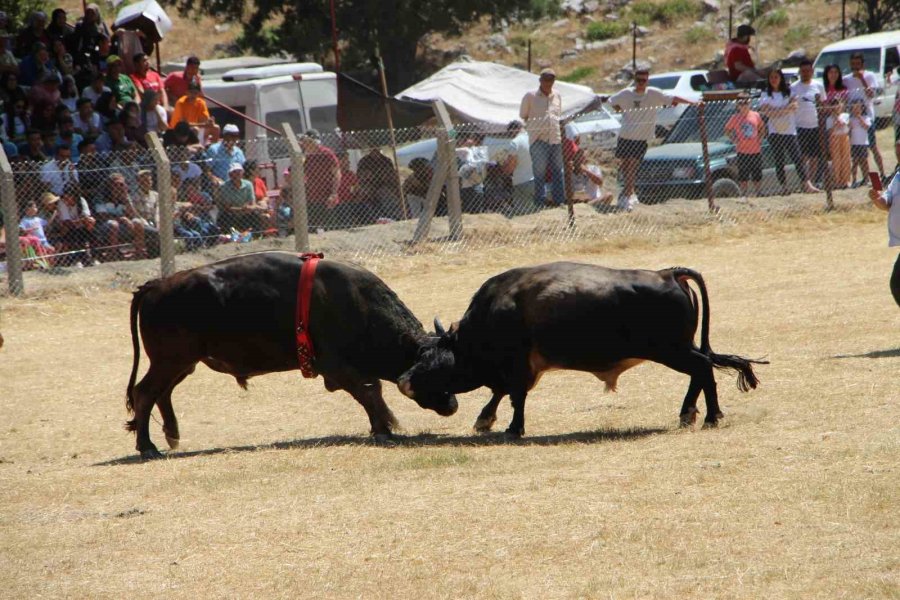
(544,155)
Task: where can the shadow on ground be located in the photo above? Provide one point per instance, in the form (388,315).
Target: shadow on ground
(892,353)
(419,440)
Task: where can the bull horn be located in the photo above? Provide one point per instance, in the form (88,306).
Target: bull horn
(438,328)
(405,387)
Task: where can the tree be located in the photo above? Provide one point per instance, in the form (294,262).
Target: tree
(18,11)
(302,27)
(877,15)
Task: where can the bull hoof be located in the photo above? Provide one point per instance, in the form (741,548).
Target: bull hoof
(173,442)
(688,419)
(515,434)
(484,425)
(151,454)
(385,439)
(710,424)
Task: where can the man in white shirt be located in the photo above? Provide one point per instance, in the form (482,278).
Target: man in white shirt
(862,84)
(637,105)
(511,153)
(889,200)
(808,93)
(542,110)
(60,171)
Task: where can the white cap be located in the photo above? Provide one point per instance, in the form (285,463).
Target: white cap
(235,167)
(231,128)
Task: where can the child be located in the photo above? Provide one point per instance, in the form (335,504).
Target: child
(838,125)
(31,227)
(745,128)
(859,140)
(587,181)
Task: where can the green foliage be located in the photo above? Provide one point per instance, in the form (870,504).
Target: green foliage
(540,9)
(646,12)
(772,19)
(18,11)
(604,30)
(795,36)
(699,34)
(518,40)
(578,74)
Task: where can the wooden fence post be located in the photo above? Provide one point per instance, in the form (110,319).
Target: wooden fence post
(704,142)
(166,204)
(298,191)
(11,224)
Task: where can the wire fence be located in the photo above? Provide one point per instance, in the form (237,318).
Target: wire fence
(370,194)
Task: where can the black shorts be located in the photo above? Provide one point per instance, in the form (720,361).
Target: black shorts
(859,152)
(630,148)
(749,167)
(809,142)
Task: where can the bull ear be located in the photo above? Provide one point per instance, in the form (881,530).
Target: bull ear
(438,328)
(405,387)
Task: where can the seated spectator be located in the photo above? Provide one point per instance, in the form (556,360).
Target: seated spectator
(60,171)
(587,182)
(201,203)
(97,88)
(415,187)
(119,83)
(15,122)
(114,138)
(85,120)
(181,135)
(351,210)
(37,65)
(118,220)
(510,181)
(322,178)
(192,109)
(73,226)
(33,226)
(153,116)
(8,61)
(34,32)
(193,220)
(91,171)
(181,163)
(134,125)
(61,59)
(260,189)
(66,135)
(176,83)
(146,79)
(58,29)
(146,201)
(222,155)
(33,148)
(471,159)
(238,208)
(88,36)
(45,92)
(10,90)
(68,93)
(107,107)
(739,59)
(378,183)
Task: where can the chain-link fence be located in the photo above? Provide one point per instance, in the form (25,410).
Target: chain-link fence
(363,195)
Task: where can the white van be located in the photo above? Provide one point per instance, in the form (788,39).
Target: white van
(882,58)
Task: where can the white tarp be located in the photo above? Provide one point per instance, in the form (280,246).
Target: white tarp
(490,93)
(147,16)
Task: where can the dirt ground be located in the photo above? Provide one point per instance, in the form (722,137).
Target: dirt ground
(278,492)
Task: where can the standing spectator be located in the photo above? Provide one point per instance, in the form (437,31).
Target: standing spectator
(176,83)
(238,207)
(378,183)
(86,121)
(96,89)
(74,225)
(89,33)
(746,130)
(323,178)
(542,112)
(145,79)
(510,154)
(351,210)
(118,82)
(58,29)
(888,200)
(225,153)
(808,94)
(776,104)
(860,122)
(739,58)
(838,126)
(895,118)
(862,85)
(60,171)
(117,218)
(638,104)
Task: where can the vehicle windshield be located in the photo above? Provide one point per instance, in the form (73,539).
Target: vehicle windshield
(841,58)
(687,128)
(664,82)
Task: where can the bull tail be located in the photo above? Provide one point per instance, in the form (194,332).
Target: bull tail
(135,343)
(747,379)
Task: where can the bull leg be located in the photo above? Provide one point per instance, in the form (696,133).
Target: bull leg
(381,418)
(517,425)
(699,367)
(153,386)
(170,421)
(688,415)
(488,415)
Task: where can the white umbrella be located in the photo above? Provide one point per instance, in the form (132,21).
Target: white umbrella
(148,17)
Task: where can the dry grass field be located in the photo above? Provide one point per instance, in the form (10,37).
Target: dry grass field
(277,492)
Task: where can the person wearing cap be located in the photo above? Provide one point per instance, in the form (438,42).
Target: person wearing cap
(639,105)
(238,208)
(176,83)
(225,152)
(118,82)
(739,58)
(146,79)
(542,111)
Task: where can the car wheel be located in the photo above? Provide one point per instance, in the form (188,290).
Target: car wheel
(725,188)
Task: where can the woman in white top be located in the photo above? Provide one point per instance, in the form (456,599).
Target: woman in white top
(776,104)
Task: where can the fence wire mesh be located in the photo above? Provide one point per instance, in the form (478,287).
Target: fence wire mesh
(367,194)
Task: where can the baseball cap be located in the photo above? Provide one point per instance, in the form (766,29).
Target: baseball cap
(548,73)
(235,167)
(231,129)
(743,30)
(49,198)
(113,59)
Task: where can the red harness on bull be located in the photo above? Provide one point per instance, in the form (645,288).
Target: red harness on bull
(305,351)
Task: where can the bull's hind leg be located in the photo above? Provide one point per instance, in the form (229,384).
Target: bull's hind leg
(170,421)
(488,415)
(154,386)
(688,415)
(699,367)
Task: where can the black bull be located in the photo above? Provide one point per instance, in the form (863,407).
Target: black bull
(237,316)
(526,321)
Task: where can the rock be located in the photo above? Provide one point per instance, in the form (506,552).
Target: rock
(643,31)
(496,41)
(568,55)
(222,27)
(579,44)
(710,6)
(678,60)
(572,36)
(591,6)
(612,16)
(561,23)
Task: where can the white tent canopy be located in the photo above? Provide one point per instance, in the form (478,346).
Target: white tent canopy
(490,93)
